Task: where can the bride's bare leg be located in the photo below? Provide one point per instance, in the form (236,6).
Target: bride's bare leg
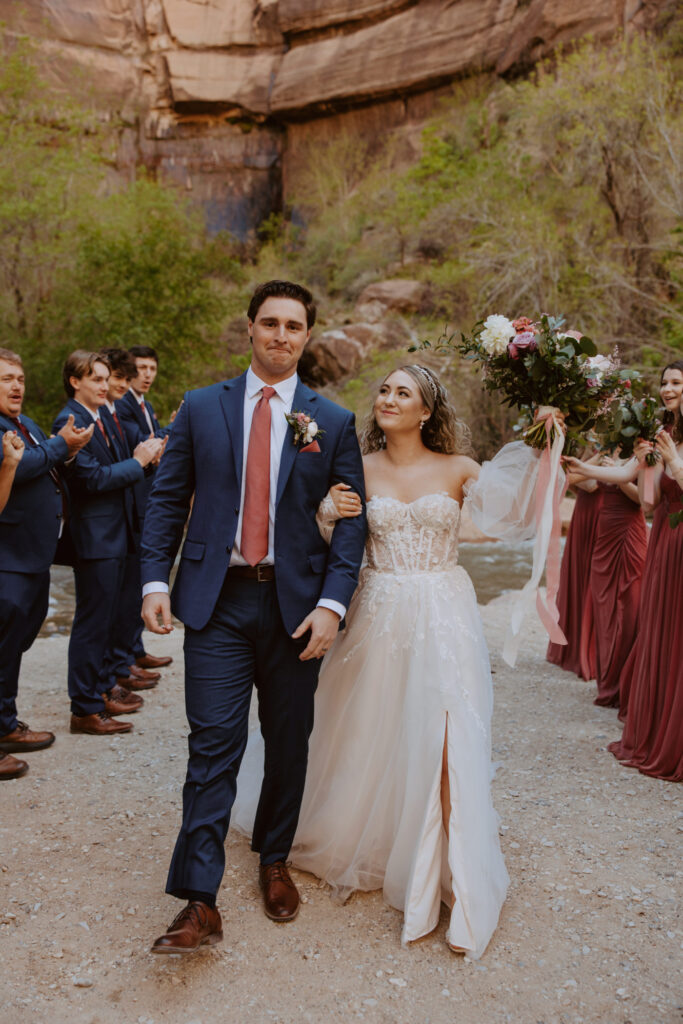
(445,784)
(446,808)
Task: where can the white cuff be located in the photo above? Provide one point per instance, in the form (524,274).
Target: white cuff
(334,606)
(154,588)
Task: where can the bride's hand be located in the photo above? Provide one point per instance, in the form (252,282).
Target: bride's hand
(346,501)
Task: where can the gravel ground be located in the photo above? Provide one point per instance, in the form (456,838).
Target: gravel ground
(590,931)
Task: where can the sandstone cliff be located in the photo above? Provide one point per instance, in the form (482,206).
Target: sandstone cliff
(213,93)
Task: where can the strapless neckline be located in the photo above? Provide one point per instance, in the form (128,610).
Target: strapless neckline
(407,504)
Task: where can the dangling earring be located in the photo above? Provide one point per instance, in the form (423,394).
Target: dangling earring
(422,423)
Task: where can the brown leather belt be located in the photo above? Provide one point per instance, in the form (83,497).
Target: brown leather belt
(261,573)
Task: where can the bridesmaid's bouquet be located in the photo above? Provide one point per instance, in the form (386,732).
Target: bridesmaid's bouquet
(627,421)
(541,363)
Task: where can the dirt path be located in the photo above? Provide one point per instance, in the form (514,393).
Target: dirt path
(589,932)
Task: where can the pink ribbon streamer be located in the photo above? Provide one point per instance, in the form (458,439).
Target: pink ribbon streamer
(546,605)
(550,488)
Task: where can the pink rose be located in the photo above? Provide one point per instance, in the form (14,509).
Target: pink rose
(522,324)
(523,342)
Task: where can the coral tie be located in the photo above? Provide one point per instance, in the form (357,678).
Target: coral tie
(254,543)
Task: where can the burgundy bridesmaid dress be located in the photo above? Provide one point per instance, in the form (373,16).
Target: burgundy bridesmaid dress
(573,599)
(615,580)
(652,740)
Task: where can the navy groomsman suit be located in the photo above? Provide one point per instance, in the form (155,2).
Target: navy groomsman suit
(29,531)
(238,631)
(136,428)
(103,521)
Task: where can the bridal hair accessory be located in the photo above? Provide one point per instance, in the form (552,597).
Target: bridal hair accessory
(433,384)
(306,430)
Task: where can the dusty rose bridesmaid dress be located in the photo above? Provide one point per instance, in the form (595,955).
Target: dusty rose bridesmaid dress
(573,601)
(652,740)
(615,581)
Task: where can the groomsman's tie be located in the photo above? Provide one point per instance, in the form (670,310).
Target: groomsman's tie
(257,487)
(103,432)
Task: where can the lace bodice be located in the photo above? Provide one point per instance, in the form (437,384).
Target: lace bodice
(416,536)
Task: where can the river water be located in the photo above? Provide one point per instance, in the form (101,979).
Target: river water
(494,567)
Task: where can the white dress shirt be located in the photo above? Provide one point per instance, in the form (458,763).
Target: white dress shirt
(140,399)
(280,406)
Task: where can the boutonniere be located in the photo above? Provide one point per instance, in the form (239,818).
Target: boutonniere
(306,430)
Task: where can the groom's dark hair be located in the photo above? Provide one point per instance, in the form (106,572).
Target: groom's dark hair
(282,290)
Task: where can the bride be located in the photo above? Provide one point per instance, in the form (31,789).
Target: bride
(398,792)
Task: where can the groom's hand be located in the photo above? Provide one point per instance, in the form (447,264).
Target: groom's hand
(324,626)
(154,607)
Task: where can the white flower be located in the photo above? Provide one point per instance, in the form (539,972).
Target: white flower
(311,431)
(496,334)
(598,366)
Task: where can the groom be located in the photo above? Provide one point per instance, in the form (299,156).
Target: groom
(259,591)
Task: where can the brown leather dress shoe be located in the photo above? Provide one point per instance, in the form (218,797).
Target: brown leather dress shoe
(149,661)
(119,701)
(197,925)
(142,673)
(99,724)
(23,739)
(280,895)
(133,683)
(11,767)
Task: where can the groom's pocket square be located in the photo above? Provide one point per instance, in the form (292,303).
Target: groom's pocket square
(312,447)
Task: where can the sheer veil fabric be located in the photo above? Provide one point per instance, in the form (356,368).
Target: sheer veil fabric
(409,672)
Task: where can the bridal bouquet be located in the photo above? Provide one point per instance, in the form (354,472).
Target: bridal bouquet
(535,364)
(627,421)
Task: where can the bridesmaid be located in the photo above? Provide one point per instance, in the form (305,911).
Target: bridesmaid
(616,568)
(652,740)
(573,599)
(671,394)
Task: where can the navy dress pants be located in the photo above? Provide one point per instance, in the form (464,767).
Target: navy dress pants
(98,587)
(23,607)
(245,644)
(128,625)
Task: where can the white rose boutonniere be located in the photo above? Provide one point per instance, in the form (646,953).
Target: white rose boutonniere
(306,430)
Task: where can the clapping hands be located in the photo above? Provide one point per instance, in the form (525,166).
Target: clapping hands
(12,448)
(75,437)
(149,451)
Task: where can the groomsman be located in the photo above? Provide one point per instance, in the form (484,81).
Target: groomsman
(126,630)
(30,526)
(139,421)
(103,524)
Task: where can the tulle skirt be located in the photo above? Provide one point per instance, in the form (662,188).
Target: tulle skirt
(409,674)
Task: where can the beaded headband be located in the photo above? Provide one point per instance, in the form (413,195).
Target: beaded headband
(428,377)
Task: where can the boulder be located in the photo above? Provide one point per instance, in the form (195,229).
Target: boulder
(338,353)
(399,295)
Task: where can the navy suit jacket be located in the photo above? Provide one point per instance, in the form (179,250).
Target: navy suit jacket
(204,458)
(29,524)
(136,429)
(103,518)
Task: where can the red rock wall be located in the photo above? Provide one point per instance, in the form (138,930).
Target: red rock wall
(213,92)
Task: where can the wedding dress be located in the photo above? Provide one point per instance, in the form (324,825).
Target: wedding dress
(409,673)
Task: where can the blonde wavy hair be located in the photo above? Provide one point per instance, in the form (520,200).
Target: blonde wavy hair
(443,432)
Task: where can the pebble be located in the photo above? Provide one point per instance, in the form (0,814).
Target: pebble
(400,982)
(81,982)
